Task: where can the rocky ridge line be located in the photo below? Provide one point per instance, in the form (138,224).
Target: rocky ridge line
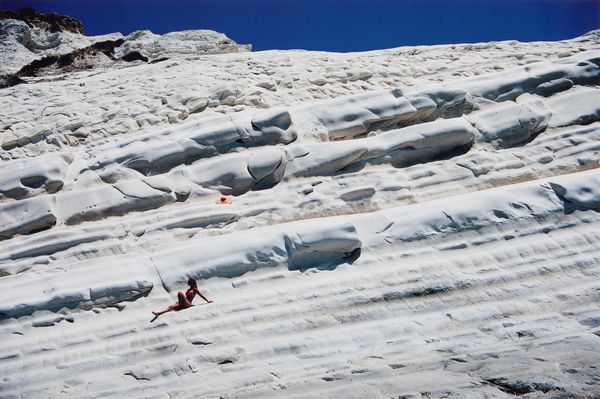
(55,44)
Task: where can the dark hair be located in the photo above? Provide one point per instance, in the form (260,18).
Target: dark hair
(192,283)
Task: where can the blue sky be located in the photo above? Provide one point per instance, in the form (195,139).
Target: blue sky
(337,25)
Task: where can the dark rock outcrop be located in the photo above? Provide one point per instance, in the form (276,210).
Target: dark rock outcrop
(78,60)
(134,56)
(52,22)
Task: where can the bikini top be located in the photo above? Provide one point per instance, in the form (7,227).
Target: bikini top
(190,294)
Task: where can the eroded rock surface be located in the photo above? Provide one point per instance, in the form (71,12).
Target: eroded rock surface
(413,222)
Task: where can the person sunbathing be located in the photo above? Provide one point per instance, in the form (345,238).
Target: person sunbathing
(184,301)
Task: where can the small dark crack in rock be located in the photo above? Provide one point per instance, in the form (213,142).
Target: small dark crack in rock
(130,373)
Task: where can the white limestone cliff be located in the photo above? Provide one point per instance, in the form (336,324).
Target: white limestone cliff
(412,222)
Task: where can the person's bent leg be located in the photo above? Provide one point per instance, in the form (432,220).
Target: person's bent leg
(182,301)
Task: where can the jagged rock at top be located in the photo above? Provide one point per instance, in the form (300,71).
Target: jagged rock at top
(190,42)
(51,22)
(35,44)
(23,41)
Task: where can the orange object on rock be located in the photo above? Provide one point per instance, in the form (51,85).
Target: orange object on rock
(223,200)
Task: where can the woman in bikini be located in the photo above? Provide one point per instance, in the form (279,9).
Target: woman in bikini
(184,301)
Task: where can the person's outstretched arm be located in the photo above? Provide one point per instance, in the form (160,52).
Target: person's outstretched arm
(202,296)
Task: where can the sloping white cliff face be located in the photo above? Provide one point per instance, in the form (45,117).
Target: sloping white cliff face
(413,222)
